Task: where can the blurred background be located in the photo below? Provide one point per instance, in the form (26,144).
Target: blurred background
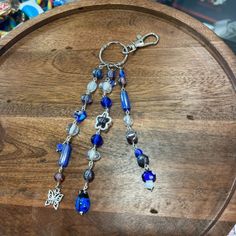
(218,15)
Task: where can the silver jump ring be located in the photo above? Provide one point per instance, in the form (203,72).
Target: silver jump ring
(110,64)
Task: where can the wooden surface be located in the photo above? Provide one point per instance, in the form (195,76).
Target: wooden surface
(183,104)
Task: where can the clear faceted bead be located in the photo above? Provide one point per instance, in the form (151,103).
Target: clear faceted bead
(92,86)
(73,129)
(93,155)
(128,120)
(106,87)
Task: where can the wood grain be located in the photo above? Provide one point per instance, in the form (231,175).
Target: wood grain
(183,104)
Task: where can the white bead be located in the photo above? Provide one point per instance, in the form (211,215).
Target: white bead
(92,86)
(128,120)
(93,155)
(73,129)
(149,184)
(106,87)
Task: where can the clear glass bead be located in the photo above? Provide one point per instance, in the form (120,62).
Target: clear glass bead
(106,87)
(93,155)
(128,120)
(72,129)
(92,86)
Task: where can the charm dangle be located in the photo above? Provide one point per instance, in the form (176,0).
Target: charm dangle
(64,149)
(54,198)
(103,121)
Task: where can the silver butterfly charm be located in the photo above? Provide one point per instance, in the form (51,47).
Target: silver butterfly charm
(54,198)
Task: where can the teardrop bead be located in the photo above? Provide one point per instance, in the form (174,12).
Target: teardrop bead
(82,203)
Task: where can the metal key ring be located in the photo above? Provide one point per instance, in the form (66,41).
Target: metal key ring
(112,64)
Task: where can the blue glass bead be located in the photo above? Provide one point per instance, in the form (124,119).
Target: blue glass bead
(65,155)
(80,116)
(111,74)
(113,83)
(125,102)
(106,102)
(148,175)
(82,203)
(97,73)
(122,74)
(86,99)
(143,160)
(138,152)
(97,140)
(59,147)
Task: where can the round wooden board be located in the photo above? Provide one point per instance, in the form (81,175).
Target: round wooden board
(183,105)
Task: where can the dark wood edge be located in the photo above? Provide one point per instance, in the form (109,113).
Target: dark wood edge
(216,47)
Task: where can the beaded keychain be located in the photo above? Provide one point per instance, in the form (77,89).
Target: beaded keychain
(104,121)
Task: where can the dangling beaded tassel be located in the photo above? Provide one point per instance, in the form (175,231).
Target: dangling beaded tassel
(103,122)
(148,176)
(55,196)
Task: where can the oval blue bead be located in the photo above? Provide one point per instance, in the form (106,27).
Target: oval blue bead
(148,175)
(106,102)
(138,152)
(80,116)
(111,74)
(82,203)
(122,74)
(97,73)
(97,140)
(65,155)
(125,102)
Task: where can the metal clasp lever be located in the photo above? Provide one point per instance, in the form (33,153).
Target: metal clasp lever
(140,42)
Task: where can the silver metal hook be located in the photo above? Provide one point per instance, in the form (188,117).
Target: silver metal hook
(140,42)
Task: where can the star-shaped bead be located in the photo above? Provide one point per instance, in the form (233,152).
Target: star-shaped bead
(54,198)
(103,121)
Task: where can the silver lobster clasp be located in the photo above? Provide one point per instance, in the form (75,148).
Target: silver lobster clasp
(140,42)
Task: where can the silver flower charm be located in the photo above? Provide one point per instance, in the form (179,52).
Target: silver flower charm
(103,121)
(54,198)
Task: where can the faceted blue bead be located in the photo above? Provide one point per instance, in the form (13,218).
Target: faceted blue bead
(138,152)
(106,102)
(82,203)
(97,73)
(97,140)
(86,99)
(59,147)
(113,83)
(148,175)
(122,73)
(80,116)
(125,102)
(65,155)
(111,74)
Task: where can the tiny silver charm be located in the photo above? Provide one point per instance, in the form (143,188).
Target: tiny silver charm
(103,121)
(54,198)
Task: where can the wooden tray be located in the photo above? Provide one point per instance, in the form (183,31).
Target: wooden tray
(183,103)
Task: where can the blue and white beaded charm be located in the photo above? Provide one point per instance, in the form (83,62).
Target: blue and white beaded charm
(64,149)
(131,136)
(104,121)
